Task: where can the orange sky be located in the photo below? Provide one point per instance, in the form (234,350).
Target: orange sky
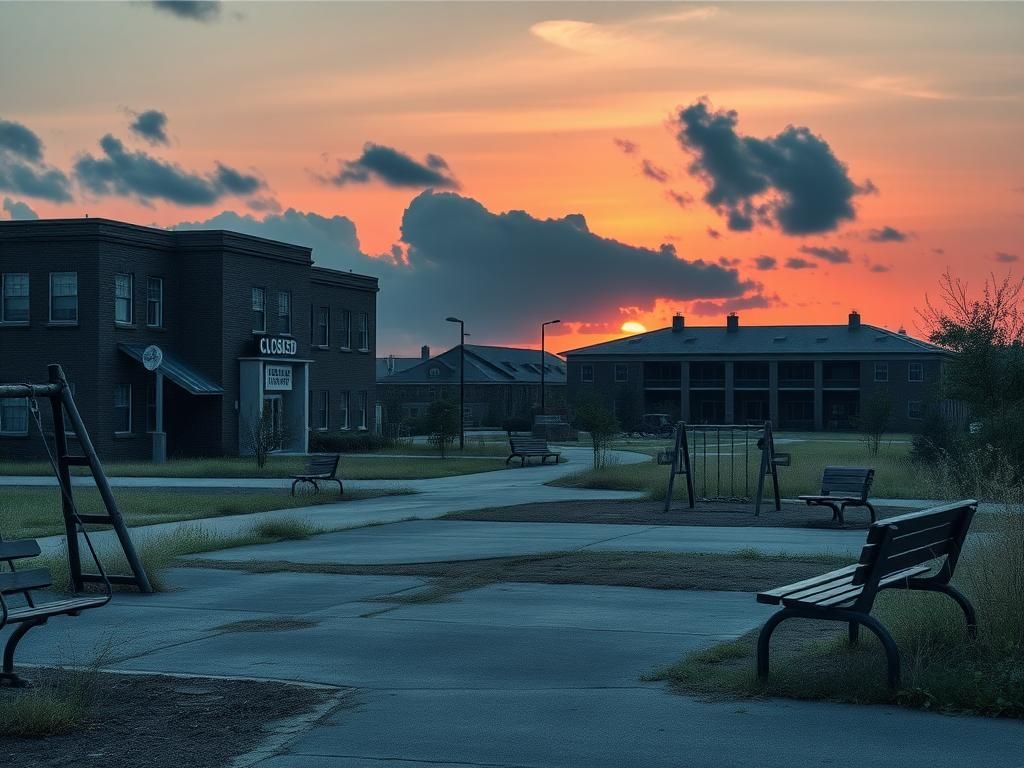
(524,101)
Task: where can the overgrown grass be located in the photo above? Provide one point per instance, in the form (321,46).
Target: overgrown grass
(942,669)
(35,512)
(734,472)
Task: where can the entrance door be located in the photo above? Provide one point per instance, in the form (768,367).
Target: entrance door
(274,405)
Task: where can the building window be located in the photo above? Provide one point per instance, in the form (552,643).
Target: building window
(123,408)
(364,332)
(881,372)
(343,409)
(323,410)
(155,302)
(63,297)
(346,329)
(915,410)
(284,312)
(915,373)
(259,310)
(123,305)
(434,372)
(361,410)
(323,326)
(14,416)
(14,308)
(587,374)
(621,373)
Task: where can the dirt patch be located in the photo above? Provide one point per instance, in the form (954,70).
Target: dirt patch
(266,625)
(631,512)
(136,721)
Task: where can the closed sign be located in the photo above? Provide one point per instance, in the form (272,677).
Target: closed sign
(278,378)
(277,345)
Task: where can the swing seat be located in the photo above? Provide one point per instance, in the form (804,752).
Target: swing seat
(29,613)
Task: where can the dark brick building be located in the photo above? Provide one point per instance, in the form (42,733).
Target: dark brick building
(802,377)
(243,324)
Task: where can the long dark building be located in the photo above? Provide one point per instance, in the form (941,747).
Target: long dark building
(242,327)
(801,377)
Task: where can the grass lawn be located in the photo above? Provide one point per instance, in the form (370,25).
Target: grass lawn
(351,467)
(734,473)
(34,512)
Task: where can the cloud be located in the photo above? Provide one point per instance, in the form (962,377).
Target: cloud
(792,180)
(754,301)
(18,211)
(263,205)
(503,273)
(682,199)
(795,262)
(878,268)
(764,263)
(627,146)
(394,168)
(151,125)
(22,168)
(205,11)
(939,251)
(887,234)
(1006,258)
(651,171)
(125,173)
(714,234)
(831,255)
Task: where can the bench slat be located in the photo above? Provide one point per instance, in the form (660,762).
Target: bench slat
(22,581)
(15,550)
(773,596)
(58,608)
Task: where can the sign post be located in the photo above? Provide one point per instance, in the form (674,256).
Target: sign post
(152,359)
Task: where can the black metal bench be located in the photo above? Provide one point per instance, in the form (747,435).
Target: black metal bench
(28,612)
(898,554)
(843,487)
(321,468)
(524,447)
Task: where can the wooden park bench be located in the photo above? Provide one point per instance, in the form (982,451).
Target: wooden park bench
(843,487)
(523,447)
(899,554)
(20,606)
(321,468)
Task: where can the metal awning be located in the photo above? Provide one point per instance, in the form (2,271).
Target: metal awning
(174,369)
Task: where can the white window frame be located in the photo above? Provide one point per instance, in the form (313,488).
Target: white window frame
(364,332)
(911,367)
(262,310)
(128,388)
(158,302)
(343,409)
(52,297)
(130,298)
(583,373)
(4,297)
(323,326)
(625,373)
(910,405)
(323,407)
(3,427)
(284,319)
(363,400)
(883,369)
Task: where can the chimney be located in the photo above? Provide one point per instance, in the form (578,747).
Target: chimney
(424,352)
(678,323)
(902,331)
(854,320)
(732,322)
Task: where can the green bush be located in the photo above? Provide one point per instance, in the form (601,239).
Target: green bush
(348,442)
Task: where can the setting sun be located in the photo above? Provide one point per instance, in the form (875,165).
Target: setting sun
(632,326)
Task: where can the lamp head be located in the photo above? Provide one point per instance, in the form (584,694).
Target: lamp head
(452,320)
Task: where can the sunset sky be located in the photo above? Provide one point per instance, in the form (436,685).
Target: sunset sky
(512,163)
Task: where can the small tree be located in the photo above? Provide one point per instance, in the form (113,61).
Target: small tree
(442,425)
(264,436)
(592,416)
(874,418)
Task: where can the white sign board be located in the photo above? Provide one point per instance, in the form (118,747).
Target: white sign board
(152,357)
(278,378)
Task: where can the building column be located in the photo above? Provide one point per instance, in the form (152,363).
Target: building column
(730,393)
(684,391)
(819,395)
(773,392)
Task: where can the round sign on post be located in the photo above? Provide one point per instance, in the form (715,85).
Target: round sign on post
(152,357)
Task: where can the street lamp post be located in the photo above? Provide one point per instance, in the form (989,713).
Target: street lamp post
(543,326)
(462,380)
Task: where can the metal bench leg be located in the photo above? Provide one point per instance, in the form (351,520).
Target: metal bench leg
(341,488)
(8,677)
(764,640)
(871,509)
(854,632)
(892,652)
(509,459)
(961,600)
(294,482)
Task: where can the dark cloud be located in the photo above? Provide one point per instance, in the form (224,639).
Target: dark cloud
(651,171)
(394,168)
(503,273)
(681,199)
(1006,258)
(792,179)
(22,168)
(764,263)
(725,261)
(714,234)
(19,211)
(136,174)
(887,234)
(263,205)
(754,301)
(830,254)
(195,10)
(151,125)
(795,262)
(626,146)
(939,251)
(878,268)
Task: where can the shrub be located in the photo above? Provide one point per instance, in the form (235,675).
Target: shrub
(442,425)
(593,417)
(874,419)
(348,442)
